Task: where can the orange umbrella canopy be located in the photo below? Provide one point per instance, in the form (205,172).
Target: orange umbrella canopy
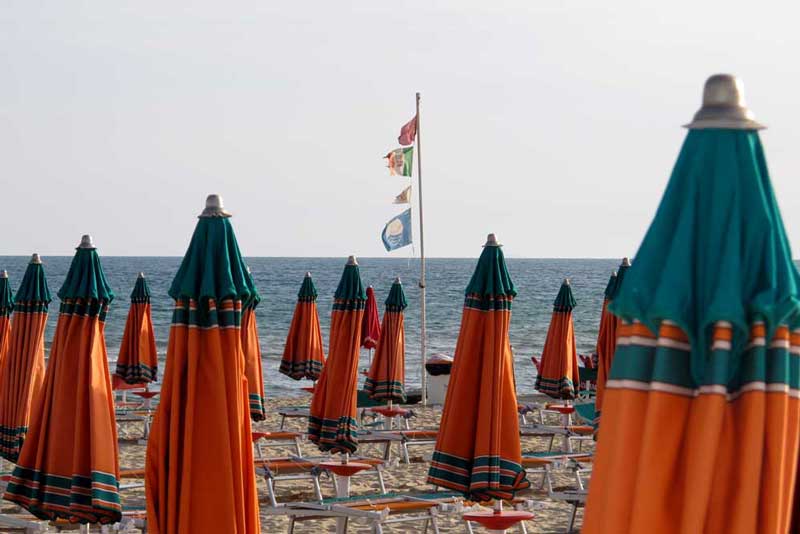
(558,375)
(22,369)
(303,356)
(252,358)
(199,474)
(477,449)
(371,325)
(68,465)
(701,416)
(137,362)
(6,308)
(332,423)
(386,377)
(607,335)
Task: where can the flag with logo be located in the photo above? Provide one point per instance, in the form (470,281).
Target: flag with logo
(404,197)
(408,132)
(397,232)
(400,161)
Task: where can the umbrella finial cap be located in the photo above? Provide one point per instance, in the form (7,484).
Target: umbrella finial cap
(351,260)
(626,262)
(308,274)
(614,273)
(724,106)
(214,207)
(566,281)
(36,259)
(86,242)
(3,274)
(397,280)
(141,274)
(491,241)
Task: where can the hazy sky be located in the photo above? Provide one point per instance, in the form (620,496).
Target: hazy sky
(554,124)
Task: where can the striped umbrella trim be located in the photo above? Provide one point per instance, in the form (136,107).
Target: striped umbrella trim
(385,390)
(93,499)
(560,388)
(207,314)
(310,369)
(136,374)
(84,308)
(257,411)
(335,435)
(482,478)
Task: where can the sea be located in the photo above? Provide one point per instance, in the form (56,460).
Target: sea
(278,281)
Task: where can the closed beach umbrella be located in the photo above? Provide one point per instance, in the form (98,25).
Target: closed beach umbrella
(22,369)
(477,449)
(303,356)
(558,376)
(137,362)
(386,377)
(251,347)
(68,466)
(199,474)
(371,326)
(701,416)
(6,308)
(332,423)
(607,335)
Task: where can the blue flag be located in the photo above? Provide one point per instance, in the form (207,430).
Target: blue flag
(397,232)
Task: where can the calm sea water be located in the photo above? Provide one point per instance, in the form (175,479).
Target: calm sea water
(278,280)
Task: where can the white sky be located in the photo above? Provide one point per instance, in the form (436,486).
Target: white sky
(554,123)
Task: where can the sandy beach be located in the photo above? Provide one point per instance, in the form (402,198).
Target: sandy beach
(551,516)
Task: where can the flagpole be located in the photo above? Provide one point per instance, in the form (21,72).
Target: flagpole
(423,352)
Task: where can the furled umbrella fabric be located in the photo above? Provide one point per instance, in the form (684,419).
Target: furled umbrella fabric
(68,466)
(558,376)
(137,363)
(607,336)
(6,309)
(386,377)
(303,356)
(371,325)
(22,369)
(251,346)
(478,449)
(332,423)
(701,417)
(200,474)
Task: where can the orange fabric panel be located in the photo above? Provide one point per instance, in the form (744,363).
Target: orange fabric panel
(200,474)
(5,335)
(251,347)
(559,362)
(388,365)
(606,344)
(22,369)
(138,345)
(304,340)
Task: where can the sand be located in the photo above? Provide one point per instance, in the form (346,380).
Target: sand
(550,516)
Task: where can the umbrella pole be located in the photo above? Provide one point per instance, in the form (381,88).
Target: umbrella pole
(423,354)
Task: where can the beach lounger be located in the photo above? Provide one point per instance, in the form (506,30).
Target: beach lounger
(293,412)
(279,439)
(20,525)
(377,511)
(409,438)
(570,433)
(299,468)
(544,464)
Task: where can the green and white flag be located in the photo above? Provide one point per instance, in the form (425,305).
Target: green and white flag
(400,161)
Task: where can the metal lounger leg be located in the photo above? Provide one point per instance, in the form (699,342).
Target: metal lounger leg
(271,491)
(380,480)
(317,487)
(404,452)
(571,526)
(434,524)
(291,525)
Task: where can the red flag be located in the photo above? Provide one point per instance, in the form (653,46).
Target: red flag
(408,132)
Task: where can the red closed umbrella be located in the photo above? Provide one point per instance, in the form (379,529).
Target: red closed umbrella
(371,324)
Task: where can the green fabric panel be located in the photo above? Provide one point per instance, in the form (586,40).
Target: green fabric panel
(612,283)
(85,278)
(491,275)
(213,267)
(716,249)
(34,286)
(564,302)
(141,292)
(396,301)
(6,299)
(350,286)
(308,291)
(621,271)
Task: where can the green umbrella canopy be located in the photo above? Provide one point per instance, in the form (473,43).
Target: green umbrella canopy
(213,267)
(396,301)
(623,268)
(308,291)
(141,292)
(85,278)
(612,283)
(716,249)
(491,278)
(34,288)
(6,300)
(564,302)
(350,286)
